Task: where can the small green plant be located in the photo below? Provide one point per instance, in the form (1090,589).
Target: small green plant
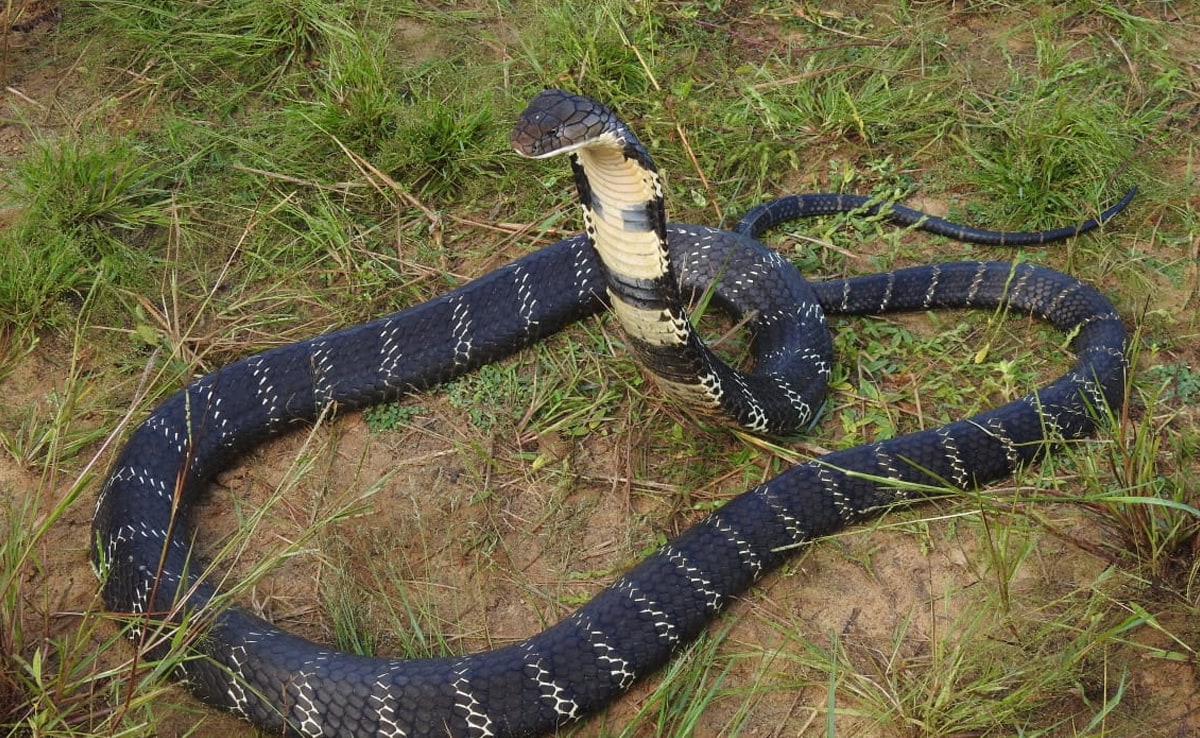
(493,393)
(1179,382)
(389,417)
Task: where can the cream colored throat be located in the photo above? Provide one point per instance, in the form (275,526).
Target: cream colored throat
(621,221)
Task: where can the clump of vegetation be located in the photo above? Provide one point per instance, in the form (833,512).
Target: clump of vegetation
(86,212)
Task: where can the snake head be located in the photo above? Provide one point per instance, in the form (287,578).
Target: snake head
(558,122)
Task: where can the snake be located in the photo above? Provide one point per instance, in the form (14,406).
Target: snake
(631,260)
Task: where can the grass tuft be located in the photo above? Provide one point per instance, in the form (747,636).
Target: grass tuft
(85,210)
(442,146)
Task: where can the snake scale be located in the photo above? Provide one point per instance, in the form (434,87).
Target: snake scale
(143,532)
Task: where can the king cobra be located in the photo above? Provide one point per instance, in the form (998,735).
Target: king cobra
(634,261)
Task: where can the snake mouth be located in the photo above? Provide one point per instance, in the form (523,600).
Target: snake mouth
(533,147)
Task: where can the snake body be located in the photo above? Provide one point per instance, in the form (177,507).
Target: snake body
(285,684)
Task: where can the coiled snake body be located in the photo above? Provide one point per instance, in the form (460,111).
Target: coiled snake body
(283,683)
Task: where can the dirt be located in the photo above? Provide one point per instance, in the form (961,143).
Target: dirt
(496,550)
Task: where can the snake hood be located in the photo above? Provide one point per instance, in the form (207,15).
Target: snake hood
(559,122)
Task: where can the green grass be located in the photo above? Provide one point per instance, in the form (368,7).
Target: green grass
(87,207)
(198,181)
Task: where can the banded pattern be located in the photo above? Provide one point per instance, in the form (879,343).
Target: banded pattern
(759,219)
(143,534)
(625,219)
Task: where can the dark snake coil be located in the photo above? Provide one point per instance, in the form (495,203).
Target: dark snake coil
(143,534)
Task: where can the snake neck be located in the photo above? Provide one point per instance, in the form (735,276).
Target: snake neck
(623,210)
(625,219)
